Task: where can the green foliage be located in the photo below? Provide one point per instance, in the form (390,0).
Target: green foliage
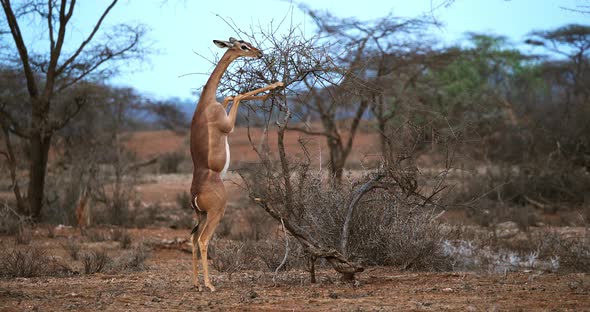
(478,75)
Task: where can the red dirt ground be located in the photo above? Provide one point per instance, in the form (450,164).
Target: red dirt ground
(166,285)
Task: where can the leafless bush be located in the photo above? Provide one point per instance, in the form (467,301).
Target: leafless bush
(13,223)
(26,262)
(62,192)
(488,213)
(540,250)
(9,224)
(515,193)
(95,261)
(132,260)
(378,219)
(261,225)
(24,235)
(272,252)
(571,254)
(114,192)
(31,261)
(183,220)
(413,241)
(123,237)
(257,225)
(231,256)
(183,200)
(95,235)
(72,249)
(144,215)
(169,162)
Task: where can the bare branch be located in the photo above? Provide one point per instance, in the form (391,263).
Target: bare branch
(310,132)
(84,69)
(357,195)
(88,39)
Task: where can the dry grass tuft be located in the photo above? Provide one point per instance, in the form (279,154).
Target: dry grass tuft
(31,261)
(95,261)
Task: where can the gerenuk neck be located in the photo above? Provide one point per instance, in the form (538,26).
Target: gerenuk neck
(209,91)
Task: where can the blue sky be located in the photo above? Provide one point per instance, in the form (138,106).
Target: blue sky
(180,28)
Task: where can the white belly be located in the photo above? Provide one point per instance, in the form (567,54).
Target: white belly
(224,171)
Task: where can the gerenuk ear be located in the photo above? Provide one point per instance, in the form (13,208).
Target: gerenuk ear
(223,44)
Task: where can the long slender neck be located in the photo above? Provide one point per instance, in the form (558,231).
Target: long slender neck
(209,91)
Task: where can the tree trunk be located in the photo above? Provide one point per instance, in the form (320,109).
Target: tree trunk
(336,158)
(39,145)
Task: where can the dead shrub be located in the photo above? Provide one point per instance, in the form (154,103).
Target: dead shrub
(72,249)
(257,224)
(571,254)
(13,223)
(24,235)
(114,193)
(9,224)
(230,256)
(272,252)
(488,213)
(123,237)
(170,162)
(95,261)
(95,235)
(261,225)
(389,221)
(541,250)
(145,215)
(31,261)
(183,200)
(62,193)
(400,235)
(132,260)
(513,193)
(24,262)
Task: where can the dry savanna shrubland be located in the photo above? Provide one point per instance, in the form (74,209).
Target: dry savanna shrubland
(385,175)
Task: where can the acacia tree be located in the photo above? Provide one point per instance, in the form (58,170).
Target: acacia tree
(475,77)
(51,72)
(572,42)
(363,52)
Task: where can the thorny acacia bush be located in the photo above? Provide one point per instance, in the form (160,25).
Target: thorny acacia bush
(391,222)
